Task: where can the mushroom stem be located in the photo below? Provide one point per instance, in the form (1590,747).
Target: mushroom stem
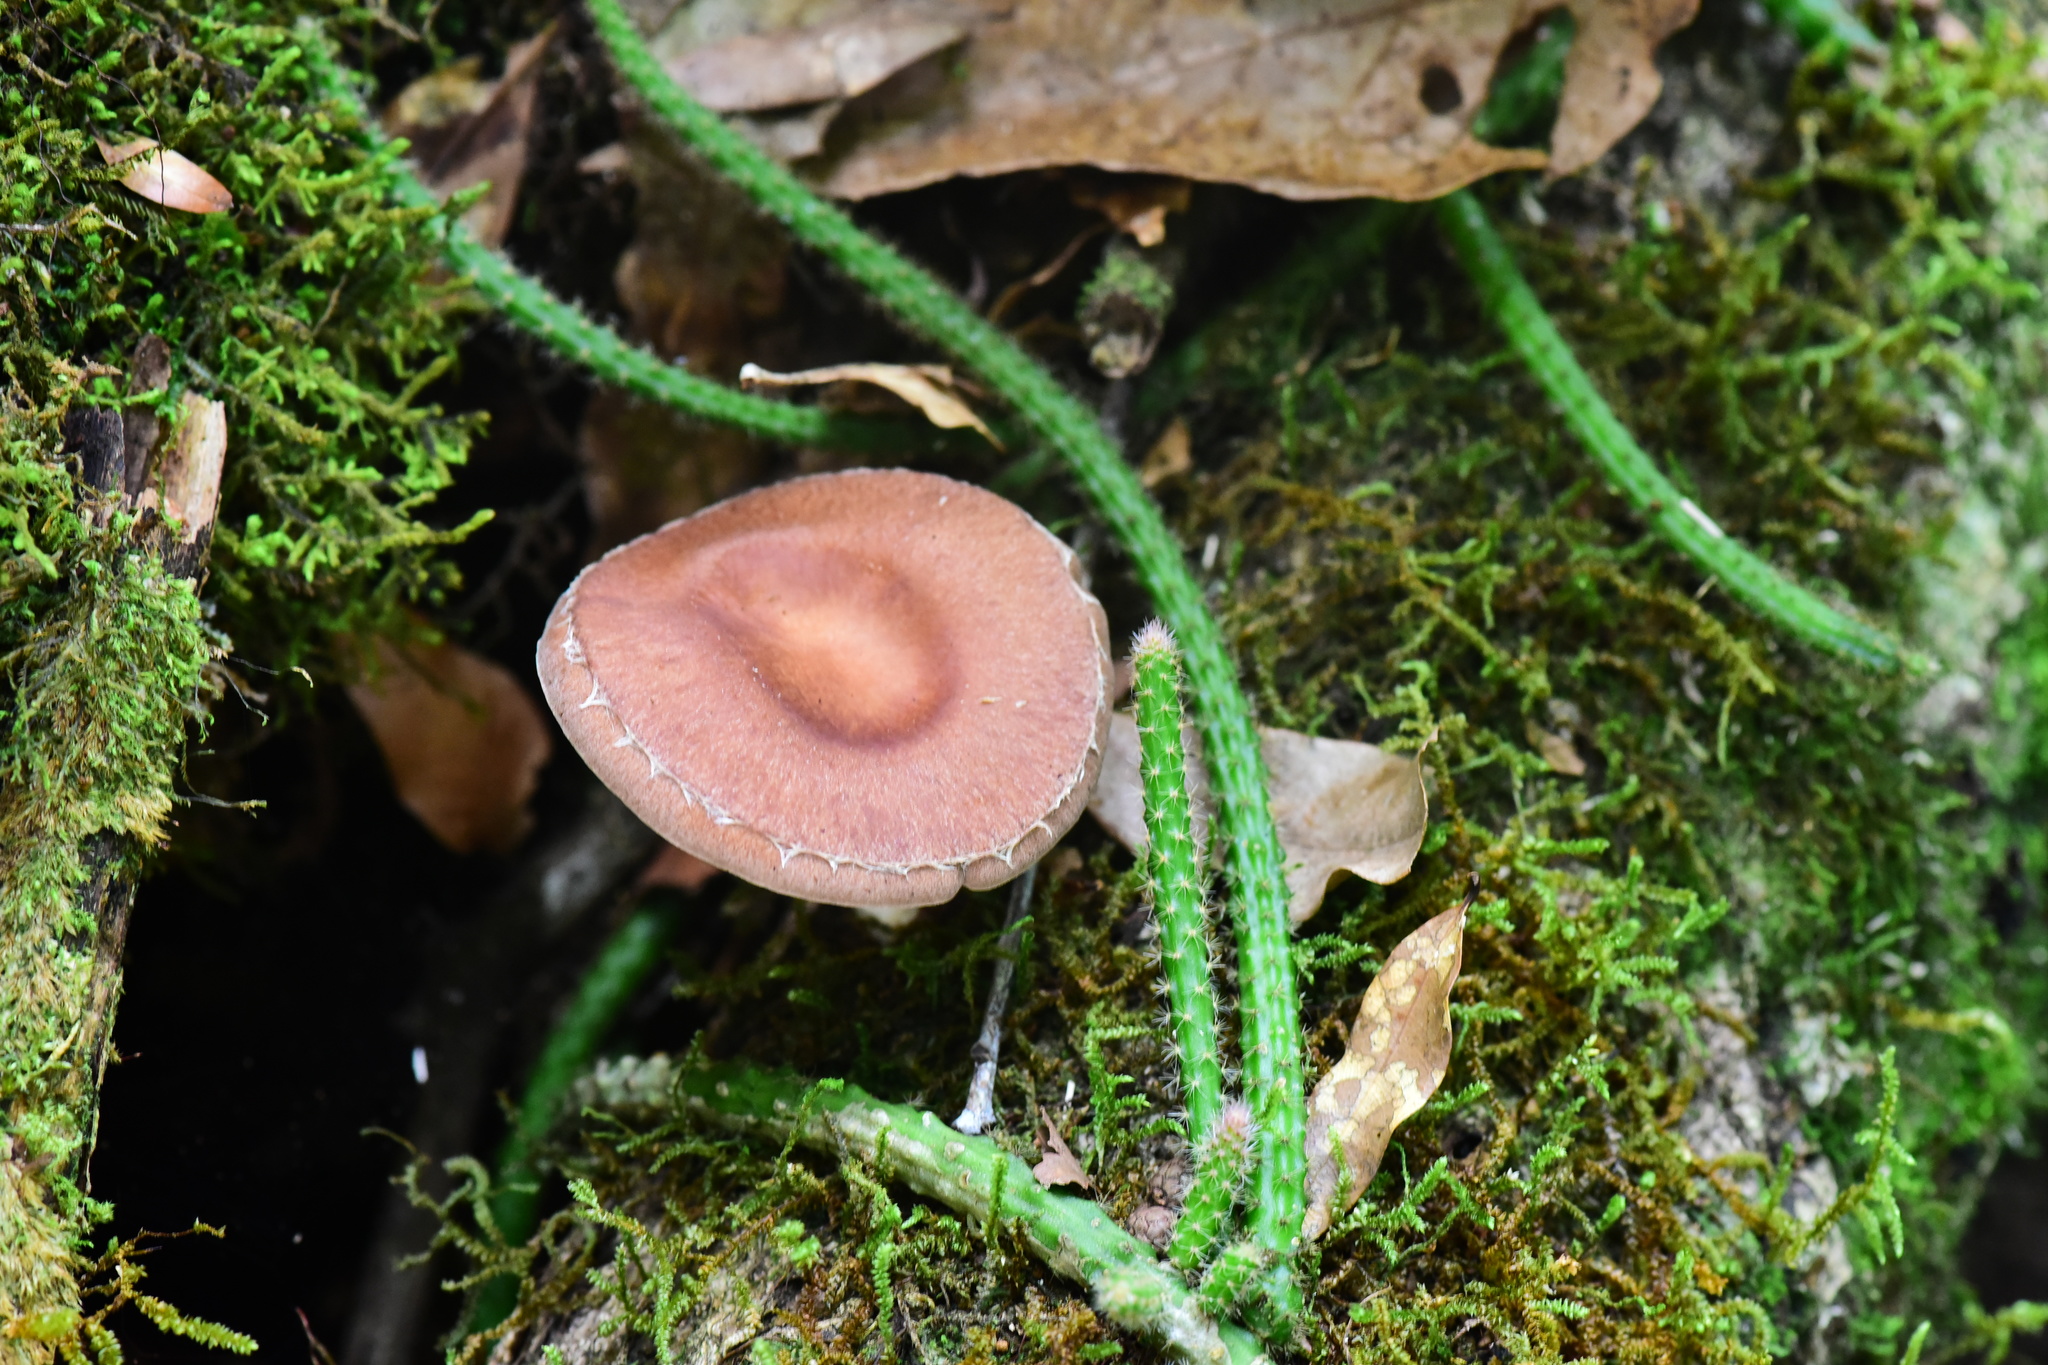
(972,1176)
(981,1088)
(1270,1009)
(1175,870)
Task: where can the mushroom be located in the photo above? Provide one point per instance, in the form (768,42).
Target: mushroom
(870,688)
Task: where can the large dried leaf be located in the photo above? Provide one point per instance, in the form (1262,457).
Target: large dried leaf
(1340,806)
(829,61)
(1310,101)
(462,740)
(928,388)
(703,283)
(165,177)
(1399,1050)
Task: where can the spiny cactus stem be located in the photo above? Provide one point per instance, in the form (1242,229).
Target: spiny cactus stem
(1176,875)
(1223,1158)
(581,340)
(1515,309)
(1076,1237)
(1270,1007)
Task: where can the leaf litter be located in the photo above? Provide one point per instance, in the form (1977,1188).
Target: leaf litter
(928,388)
(462,740)
(165,177)
(469,131)
(1058,1165)
(1399,1050)
(1306,102)
(1339,805)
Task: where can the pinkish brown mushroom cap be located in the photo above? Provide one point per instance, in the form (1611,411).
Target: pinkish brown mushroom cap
(871,688)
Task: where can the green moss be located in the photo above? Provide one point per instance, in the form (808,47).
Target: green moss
(311,313)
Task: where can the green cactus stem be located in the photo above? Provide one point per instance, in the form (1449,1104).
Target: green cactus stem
(1514,307)
(1223,1158)
(622,967)
(570,334)
(1175,869)
(1231,1277)
(1270,1007)
(1818,23)
(974,1177)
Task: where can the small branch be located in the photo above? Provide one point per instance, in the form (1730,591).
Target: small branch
(478,973)
(981,1088)
(1513,305)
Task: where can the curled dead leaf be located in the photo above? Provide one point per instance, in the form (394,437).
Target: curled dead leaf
(1399,1050)
(1339,805)
(1059,1166)
(462,740)
(1171,456)
(165,177)
(1134,205)
(928,388)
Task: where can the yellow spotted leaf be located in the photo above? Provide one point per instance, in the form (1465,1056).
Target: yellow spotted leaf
(1399,1050)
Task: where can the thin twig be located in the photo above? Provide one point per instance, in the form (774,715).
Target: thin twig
(981,1089)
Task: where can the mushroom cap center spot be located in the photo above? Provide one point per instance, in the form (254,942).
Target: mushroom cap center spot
(845,644)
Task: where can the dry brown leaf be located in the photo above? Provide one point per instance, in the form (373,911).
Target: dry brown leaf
(1557,750)
(1134,205)
(1171,456)
(1399,1050)
(644,465)
(469,131)
(1058,1166)
(165,177)
(750,72)
(463,742)
(928,388)
(703,284)
(1342,806)
(1338,805)
(1309,102)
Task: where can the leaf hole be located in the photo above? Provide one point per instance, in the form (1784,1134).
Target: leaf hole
(1441,92)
